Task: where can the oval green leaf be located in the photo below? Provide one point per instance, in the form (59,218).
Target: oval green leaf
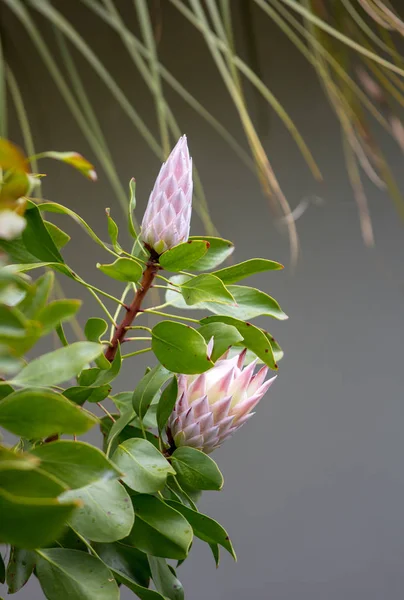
(35,414)
(206,288)
(19,569)
(56,312)
(32,522)
(144,468)
(196,470)
(254,339)
(147,388)
(183,256)
(159,530)
(247,268)
(66,574)
(180,348)
(58,366)
(77,464)
(106,513)
(219,249)
(224,336)
(123,269)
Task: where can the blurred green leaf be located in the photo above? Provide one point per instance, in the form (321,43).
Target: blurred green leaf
(183,256)
(165,579)
(159,530)
(245,269)
(59,237)
(106,513)
(35,413)
(65,574)
(180,348)
(196,470)
(145,469)
(147,388)
(19,569)
(205,528)
(77,464)
(34,483)
(37,239)
(123,269)
(58,366)
(12,157)
(32,522)
(38,296)
(74,159)
(16,460)
(56,312)
(219,249)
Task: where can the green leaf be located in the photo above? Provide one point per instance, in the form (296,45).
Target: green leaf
(224,336)
(16,460)
(75,160)
(127,433)
(58,236)
(12,323)
(166,403)
(159,530)
(217,253)
(94,330)
(131,207)
(118,426)
(67,574)
(77,464)
(145,469)
(56,312)
(80,393)
(276,349)
(113,232)
(37,239)
(106,514)
(165,580)
(12,157)
(58,366)
(206,288)
(36,300)
(34,483)
(147,388)
(247,268)
(128,561)
(196,470)
(19,569)
(37,413)
(183,256)
(180,348)
(249,302)
(32,522)
(254,338)
(123,269)
(108,375)
(54,207)
(205,528)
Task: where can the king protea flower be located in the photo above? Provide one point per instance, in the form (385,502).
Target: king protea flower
(168,214)
(210,407)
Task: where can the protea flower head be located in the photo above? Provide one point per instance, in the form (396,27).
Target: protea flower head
(168,214)
(210,407)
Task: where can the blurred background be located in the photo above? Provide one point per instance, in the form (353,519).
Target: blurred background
(314,485)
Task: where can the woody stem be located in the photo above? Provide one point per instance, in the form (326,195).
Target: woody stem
(149,274)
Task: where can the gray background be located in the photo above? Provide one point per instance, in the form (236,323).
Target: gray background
(314,485)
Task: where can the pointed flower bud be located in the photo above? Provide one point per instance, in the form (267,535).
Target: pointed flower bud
(213,405)
(168,214)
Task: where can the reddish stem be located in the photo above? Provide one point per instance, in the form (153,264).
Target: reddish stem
(131,312)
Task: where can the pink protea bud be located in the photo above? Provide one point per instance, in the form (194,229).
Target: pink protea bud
(213,405)
(168,214)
